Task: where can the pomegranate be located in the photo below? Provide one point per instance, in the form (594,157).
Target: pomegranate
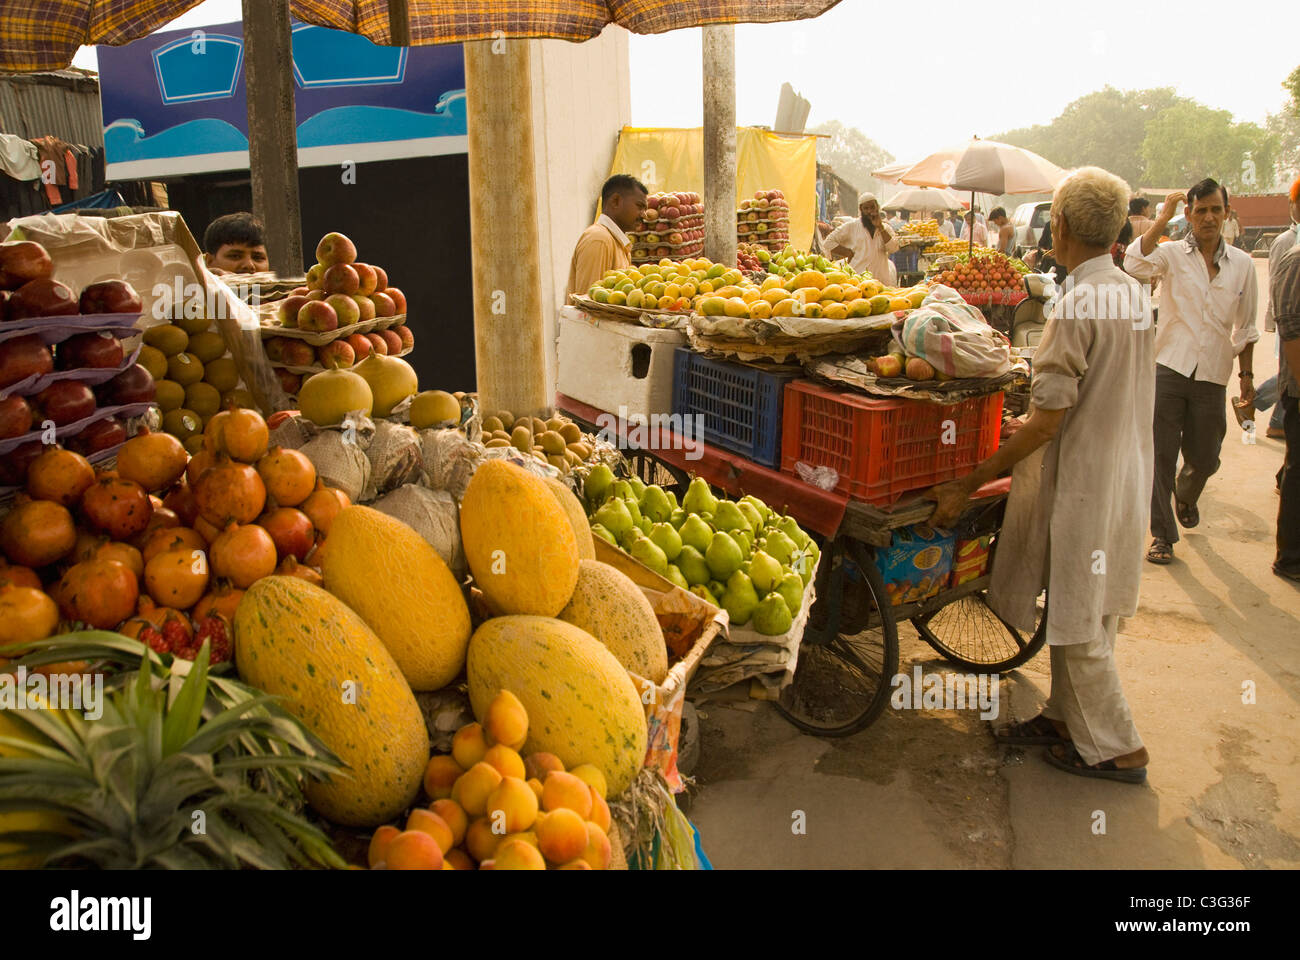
(59,475)
(212,442)
(161,628)
(172,538)
(245,435)
(26,615)
(223,600)
(201,462)
(36,533)
(153,460)
(13,575)
(162,518)
(101,593)
(180,498)
(100,435)
(230,491)
(177,578)
(243,554)
(289,476)
(290,567)
(13,466)
(291,530)
(119,507)
(217,632)
(208,531)
(125,554)
(324,504)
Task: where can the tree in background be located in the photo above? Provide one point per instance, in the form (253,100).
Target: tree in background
(851,154)
(1189,141)
(1285,126)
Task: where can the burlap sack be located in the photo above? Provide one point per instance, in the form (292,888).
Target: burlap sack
(450,459)
(394,455)
(432,514)
(339,462)
(292,434)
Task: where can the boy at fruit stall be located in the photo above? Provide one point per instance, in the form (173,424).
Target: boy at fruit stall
(1071,528)
(604,245)
(235,243)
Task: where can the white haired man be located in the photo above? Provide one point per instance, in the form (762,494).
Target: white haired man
(866,241)
(1070,527)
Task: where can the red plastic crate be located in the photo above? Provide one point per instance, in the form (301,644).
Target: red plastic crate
(883,448)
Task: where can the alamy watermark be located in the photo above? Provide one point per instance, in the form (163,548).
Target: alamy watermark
(949,691)
(659,431)
(1129,300)
(21,690)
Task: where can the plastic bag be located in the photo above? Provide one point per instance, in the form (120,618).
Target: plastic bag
(953,337)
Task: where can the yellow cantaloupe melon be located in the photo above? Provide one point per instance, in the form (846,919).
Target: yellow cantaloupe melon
(610,607)
(572,507)
(399,585)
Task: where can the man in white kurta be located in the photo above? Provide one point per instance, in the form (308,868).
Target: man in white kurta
(867,242)
(1076,517)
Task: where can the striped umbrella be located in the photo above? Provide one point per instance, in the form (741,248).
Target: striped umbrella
(45,34)
(923,199)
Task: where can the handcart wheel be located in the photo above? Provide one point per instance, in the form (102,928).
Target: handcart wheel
(849,652)
(969,634)
(651,470)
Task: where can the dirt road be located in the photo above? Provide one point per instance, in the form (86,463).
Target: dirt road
(1211,668)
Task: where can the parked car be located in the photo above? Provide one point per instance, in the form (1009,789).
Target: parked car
(1029,220)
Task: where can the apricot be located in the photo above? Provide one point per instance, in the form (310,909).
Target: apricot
(538,765)
(506,720)
(468,745)
(512,806)
(413,850)
(561,789)
(379,844)
(575,865)
(518,855)
(440,774)
(506,760)
(599,810)
(480,841)
(433,825)
(598,852)
(536,786)
(472,788)
(591,776)
(562,835)
(458,859)
(454,816)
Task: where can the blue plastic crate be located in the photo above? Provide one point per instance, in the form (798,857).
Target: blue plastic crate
(741,405)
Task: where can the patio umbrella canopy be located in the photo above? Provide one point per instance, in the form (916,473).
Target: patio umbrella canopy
(45,34)
(984,166)
(923,199)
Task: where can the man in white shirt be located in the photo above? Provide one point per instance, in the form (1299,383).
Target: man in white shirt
(945,225)
(981,231)
(1207,316)
(867,241)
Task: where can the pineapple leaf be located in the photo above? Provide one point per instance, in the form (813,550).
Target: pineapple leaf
(187,710)
(53,726)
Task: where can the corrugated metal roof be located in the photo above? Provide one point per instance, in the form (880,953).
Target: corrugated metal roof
(62,103)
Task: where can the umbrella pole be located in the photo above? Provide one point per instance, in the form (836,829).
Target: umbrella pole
(970,251)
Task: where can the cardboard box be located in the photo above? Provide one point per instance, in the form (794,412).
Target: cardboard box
(917,564)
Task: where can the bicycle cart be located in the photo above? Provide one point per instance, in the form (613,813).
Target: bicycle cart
(849,650)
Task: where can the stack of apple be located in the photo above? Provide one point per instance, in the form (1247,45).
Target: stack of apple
(985,273)
(764,219)
(673,225)
(295,359)
(81,373)
(752,258)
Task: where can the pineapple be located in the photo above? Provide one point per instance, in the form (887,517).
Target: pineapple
(192,773)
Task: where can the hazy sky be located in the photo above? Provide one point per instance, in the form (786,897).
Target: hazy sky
(915,77)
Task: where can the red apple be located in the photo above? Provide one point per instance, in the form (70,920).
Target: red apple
(287,311)
(15,417)
(135,384)
(384,305)
(407,337)
(23,356)
(314,275)
(361,346)
(89,351)
(381,277)
(300,291)
(336,248)
(672,213)
(274,347)
(368,279)
(340,278)
(13,465)
(393,340)
(336,353)
(345,308)
(398,298)
(289,382)
(315,295)
(298,353)
(378,343)
(100,435)
(110,296)
(651,202)
(22,261)
(42,298)
(318,315)
(366,308)
(64,402)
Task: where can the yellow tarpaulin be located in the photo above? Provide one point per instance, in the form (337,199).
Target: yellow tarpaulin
(665,158)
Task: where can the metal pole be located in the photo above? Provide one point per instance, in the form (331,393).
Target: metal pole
(720,143)
(971,250)
(273,131)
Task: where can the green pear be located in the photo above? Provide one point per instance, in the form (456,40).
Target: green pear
(696,533)
(702,592)
(614,517)
(648,553)
(677,518)
(766,572)
(803,566)
(764,511)
(645,525)
(621,490)
(772,616)
(779,546)
(598,530)
(728,517)
(634,511)
(791,590)
(751,514)
(699,498)
(790,528)
(744,540)
(667,539)
(672,498)
(693,566)
(717,588)
(637,487)
(739,599)
(723,556)
(655,504)
(676,577)
(598,482)
(633,534)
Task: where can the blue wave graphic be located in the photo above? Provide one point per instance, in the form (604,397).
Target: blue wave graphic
(335,58)
(124,140)
(365,124)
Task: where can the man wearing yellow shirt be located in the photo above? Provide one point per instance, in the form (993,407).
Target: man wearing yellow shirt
(604,245)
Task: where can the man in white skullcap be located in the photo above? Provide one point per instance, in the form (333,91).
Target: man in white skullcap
(867,241)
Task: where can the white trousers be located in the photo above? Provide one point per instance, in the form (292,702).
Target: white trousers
(1086,697)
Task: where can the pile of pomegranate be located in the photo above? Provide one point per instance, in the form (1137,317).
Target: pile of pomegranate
(162,547)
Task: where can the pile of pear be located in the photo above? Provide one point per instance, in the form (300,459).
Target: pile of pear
(740,555)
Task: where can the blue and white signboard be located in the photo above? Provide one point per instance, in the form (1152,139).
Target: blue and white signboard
(174,103)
